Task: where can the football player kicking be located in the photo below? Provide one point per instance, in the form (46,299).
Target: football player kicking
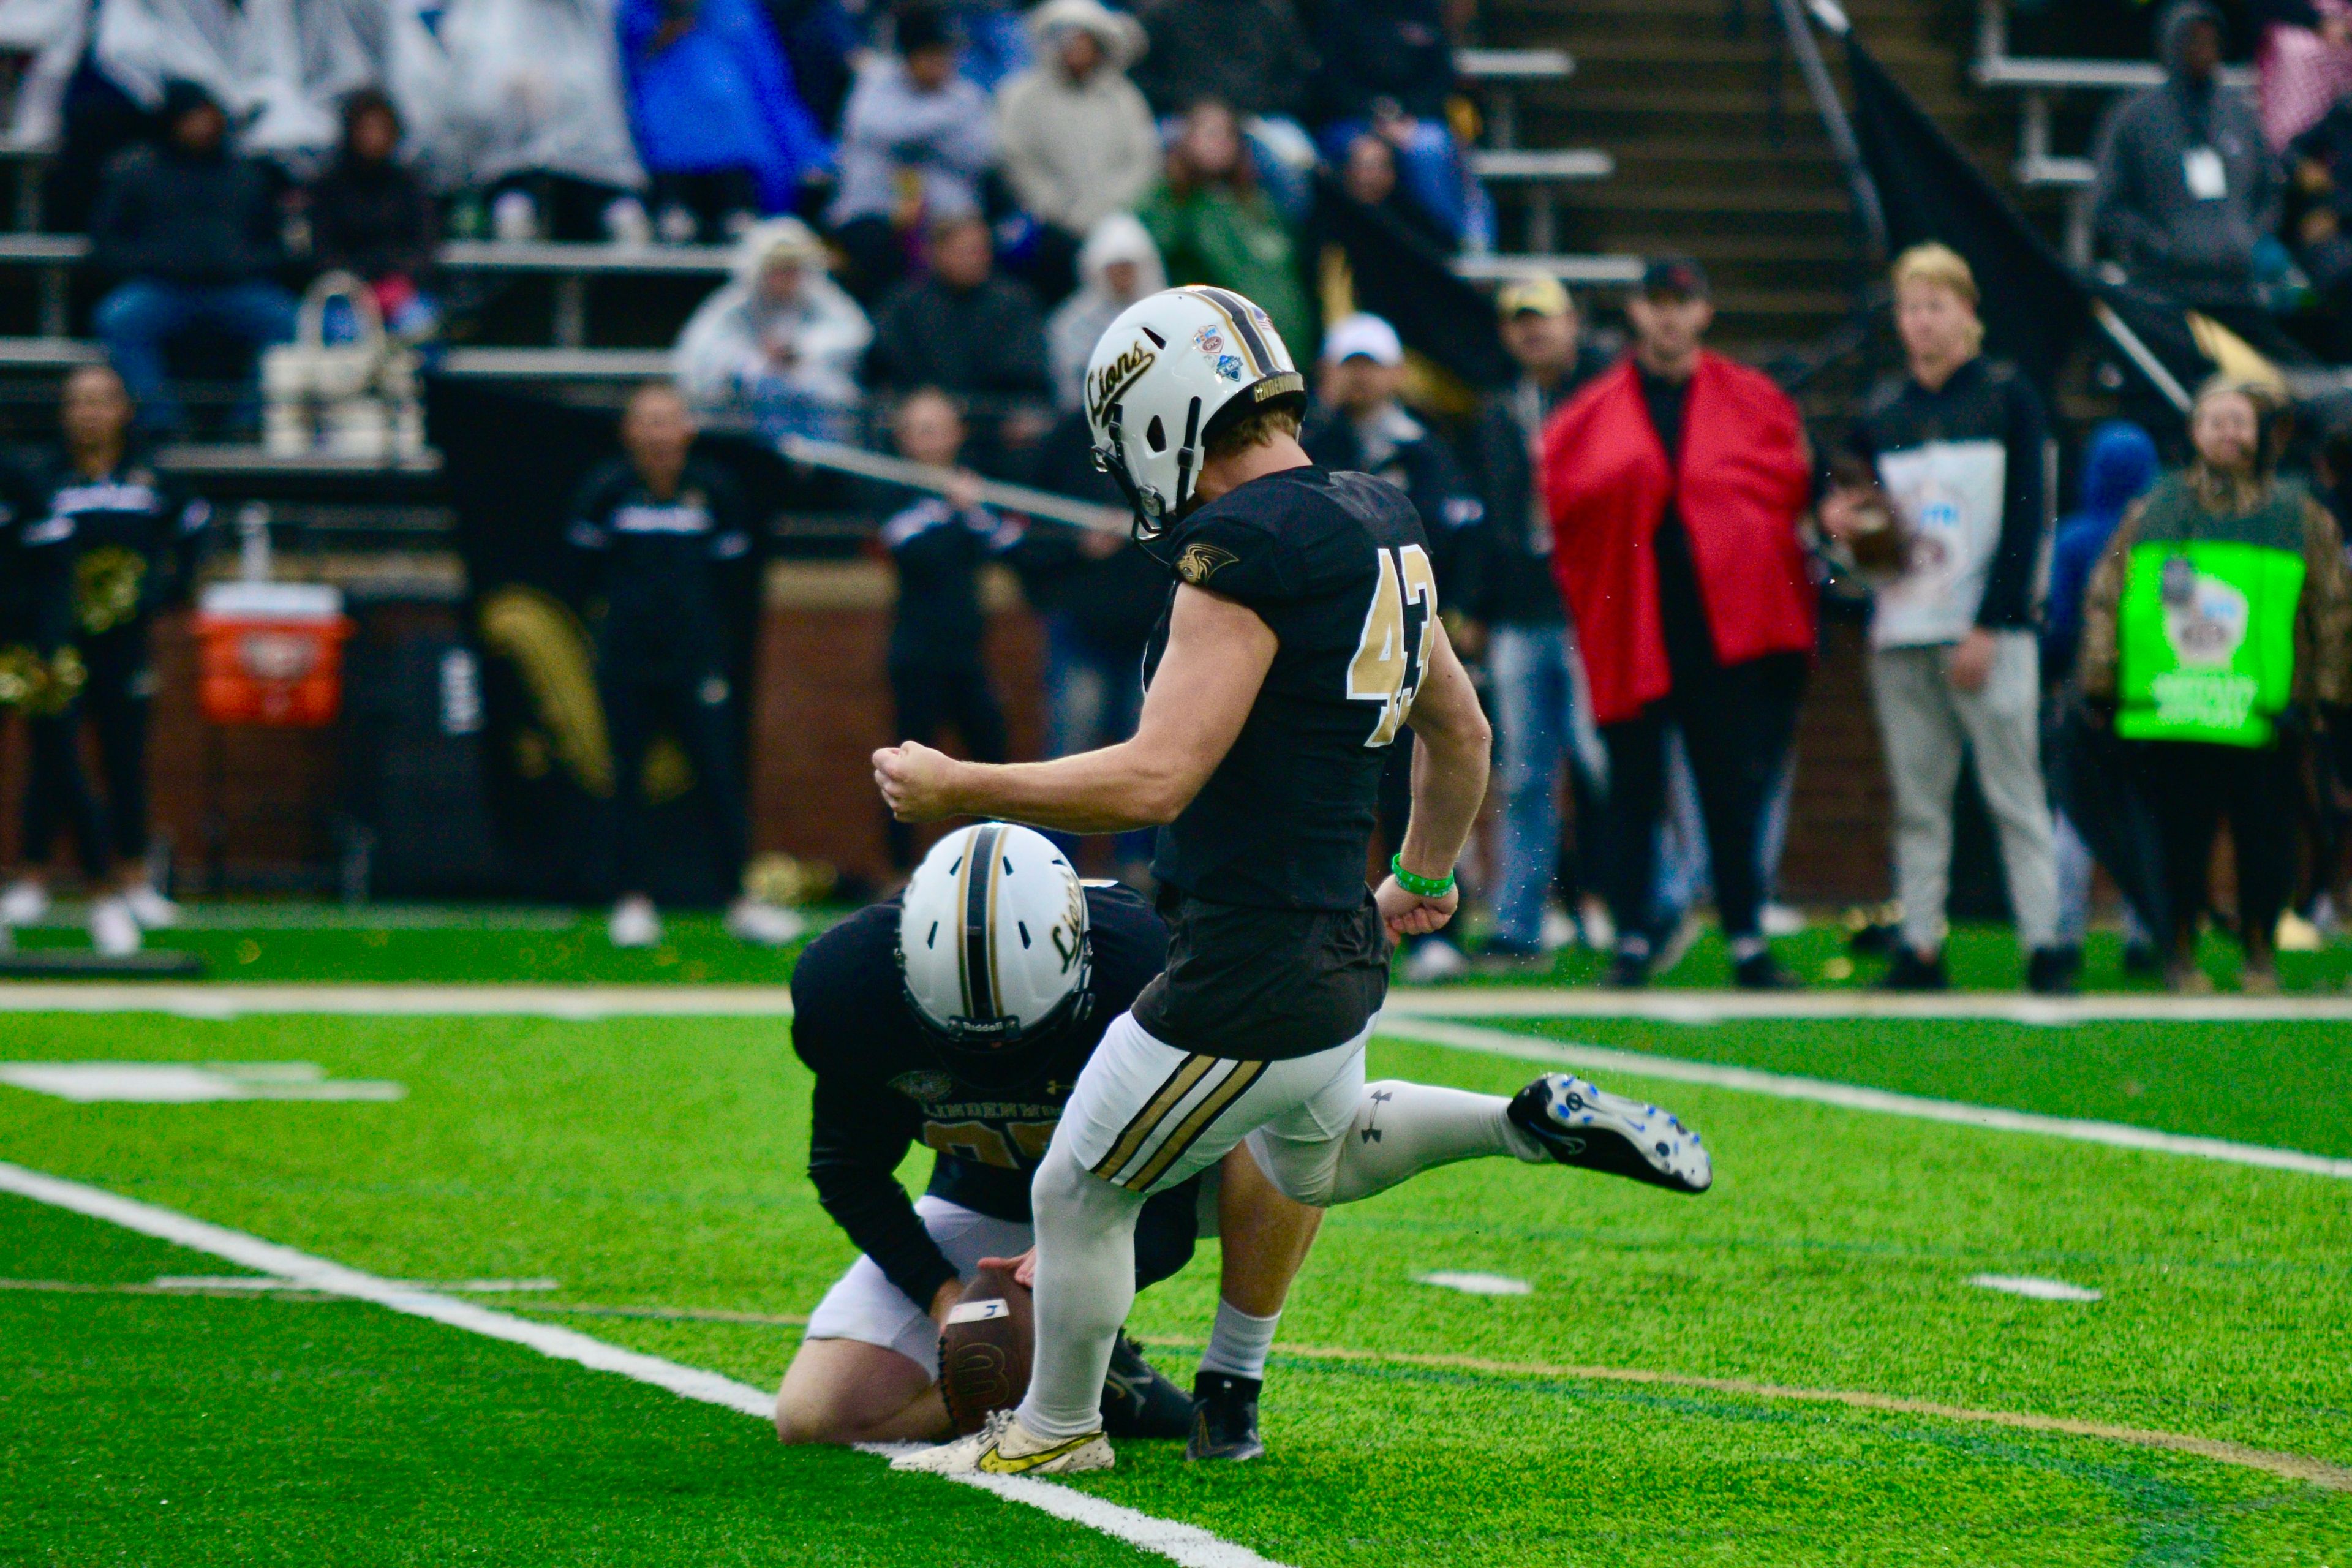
(962,1016)
(1301,633)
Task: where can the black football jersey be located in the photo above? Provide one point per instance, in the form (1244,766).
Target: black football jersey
(1337,565)
(883,1085)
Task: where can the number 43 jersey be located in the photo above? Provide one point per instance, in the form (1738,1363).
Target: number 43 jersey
(1337,565)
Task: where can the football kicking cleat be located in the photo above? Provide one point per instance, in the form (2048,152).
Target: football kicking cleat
(1137,1400)
(1005,1447)
(1580,1124)
(1225,1418)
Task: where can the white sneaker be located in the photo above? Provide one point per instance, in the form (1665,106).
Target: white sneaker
(2295,934)
(633,922)
(763,925)
(1434,962)
(1599,930)
(1559,929)
(151,909)
(23,903)
(1005,1447)
(1779,919)
(113,929)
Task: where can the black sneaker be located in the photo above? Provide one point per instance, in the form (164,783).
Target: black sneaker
(1582,1125)
(1137,1401)
(1225,1418)
(1761,972)
(2050,971)
(1628,971)
(1910,972)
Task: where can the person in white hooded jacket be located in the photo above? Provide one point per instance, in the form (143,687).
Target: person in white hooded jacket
(1076,141)
(780,342)
(1117,266)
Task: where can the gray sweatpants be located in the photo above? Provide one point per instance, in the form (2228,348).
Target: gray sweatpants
(1927,726)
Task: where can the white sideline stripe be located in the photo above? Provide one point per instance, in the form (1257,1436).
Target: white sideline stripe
(590,1002)
(1850,1097)
(1187,1544)
(1661,1005)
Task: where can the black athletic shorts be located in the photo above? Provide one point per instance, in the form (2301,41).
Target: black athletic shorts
(1262,985)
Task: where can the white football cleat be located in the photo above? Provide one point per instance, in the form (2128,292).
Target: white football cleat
(763,925)
(23,903)
(151,909)
(633,922)
(1580,1123)
(1005,1447)
(113,929)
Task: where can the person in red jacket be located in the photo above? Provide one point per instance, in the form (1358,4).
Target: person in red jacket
(1676,482)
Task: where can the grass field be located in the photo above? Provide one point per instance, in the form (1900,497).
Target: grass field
(1635,1406)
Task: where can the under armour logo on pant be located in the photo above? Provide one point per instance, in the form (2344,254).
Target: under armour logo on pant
(1379,1097)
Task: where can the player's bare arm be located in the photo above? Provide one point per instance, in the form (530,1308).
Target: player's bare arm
(1218,654)
(1452,745)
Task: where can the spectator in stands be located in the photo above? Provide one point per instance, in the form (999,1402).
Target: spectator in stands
(939,544)
(1369,178)
(1251,55)
(1117,266)
(190,232)
(2220,615)
(2303,58)
(1078,142)
(1214,225)
(967,332)
(102,544)
(1517,622)
(1387,70)
(531,108)
(1358,425)
(780,342)
(653,531)
(2186,189)
(279,70)
(1676,482)
(2089,824)
(372,218)
(723,135)
(1950,456)
(2319,167)
(916,139)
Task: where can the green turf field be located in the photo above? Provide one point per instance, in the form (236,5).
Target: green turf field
(652,1170)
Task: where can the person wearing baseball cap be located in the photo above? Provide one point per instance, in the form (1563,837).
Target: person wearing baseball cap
(1518,621)
(1675,484)
(1358,424)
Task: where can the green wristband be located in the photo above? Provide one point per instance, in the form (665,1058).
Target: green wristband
(1417,886)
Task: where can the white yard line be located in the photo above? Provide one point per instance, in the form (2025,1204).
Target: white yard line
(1664,1006)
(1184,1543)
(588,1003)
(1601,1060)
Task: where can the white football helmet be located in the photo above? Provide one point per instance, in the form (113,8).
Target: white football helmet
(1165,374)
(993,938)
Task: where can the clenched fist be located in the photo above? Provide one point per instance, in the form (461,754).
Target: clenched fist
(917,783)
